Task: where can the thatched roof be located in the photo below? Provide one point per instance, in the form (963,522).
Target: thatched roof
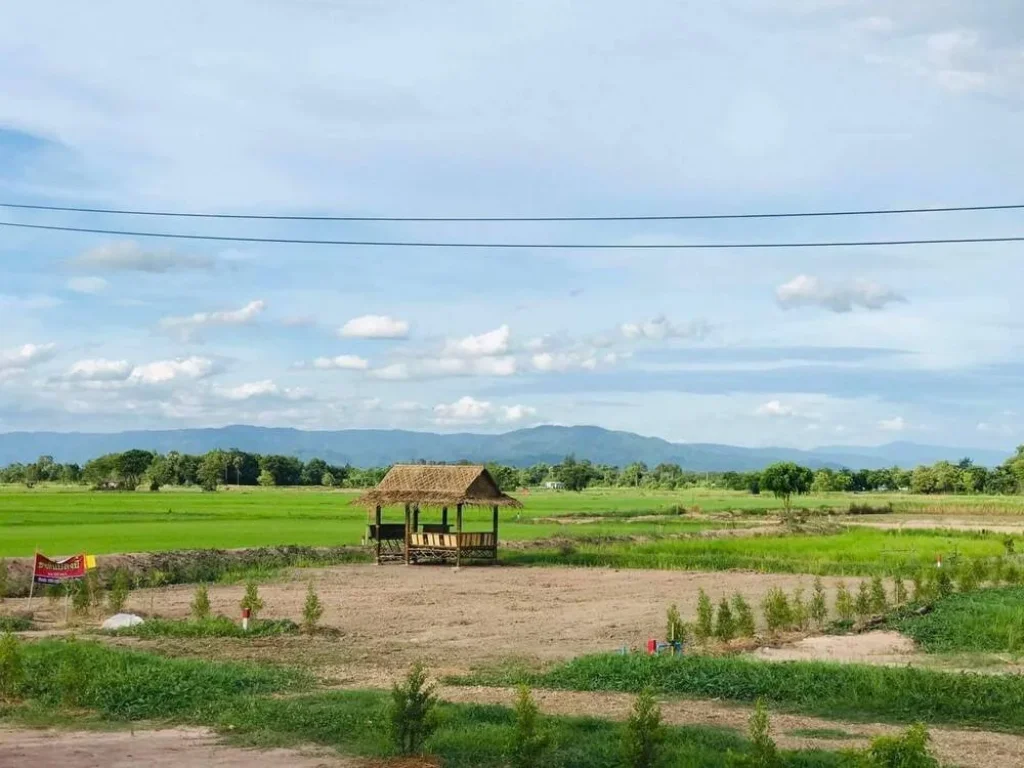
(437,486)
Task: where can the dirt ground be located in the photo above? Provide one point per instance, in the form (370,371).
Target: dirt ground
(1005,524)
(169,748)
(879,647)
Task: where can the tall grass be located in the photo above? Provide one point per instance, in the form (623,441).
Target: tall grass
(843,691)
(986,620)
(217,626)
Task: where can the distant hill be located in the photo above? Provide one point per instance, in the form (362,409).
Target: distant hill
(372,447)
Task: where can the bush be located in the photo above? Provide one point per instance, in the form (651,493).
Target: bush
(943,583)
(312,610)
(12,669)
(80,598)
(923,585)
(4,576)
(705,617)
(529,741)
(412,715)
(120,588)
(908,750)
(218,626)
(879,600)
(744,616)
(763,752)
(644,734)
(675,629)
(819,607)
(899,591)
(799,609)
(862,605)
(200,606)
(252,600)
(778,614)
(725,625)
(966,578)
(844,603)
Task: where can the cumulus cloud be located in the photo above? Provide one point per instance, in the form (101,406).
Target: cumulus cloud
(443,367)
(469,410)
(129,256)
(26,356)
(775,408)
(483,345)
(99,370)
(567,361)
(89,285)
(808,291)
(659,328)
(895,424)
(257,389)
(191,324)
(393,372)
(375,327)
(167,371)
(341,363)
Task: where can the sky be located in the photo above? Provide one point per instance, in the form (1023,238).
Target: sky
(534,108)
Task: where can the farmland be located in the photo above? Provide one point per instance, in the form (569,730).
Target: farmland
(559,629)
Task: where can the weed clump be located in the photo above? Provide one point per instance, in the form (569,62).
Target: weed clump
(411,714)
(312,610)
(643,736)
(529,742)
(200,605)
(120,589)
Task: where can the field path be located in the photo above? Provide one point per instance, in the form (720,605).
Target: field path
(970,749)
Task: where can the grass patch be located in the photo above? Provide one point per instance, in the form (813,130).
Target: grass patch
(831,734)
(984,620)
(842,691)
(15,624)
(216,626)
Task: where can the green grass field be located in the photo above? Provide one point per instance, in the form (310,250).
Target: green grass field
(61,520)
(987,620)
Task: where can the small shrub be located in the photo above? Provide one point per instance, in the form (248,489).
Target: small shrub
(80,599)
(763,752)
(922,582)
(778,615)
(819,607)
(675,629)
(644,734)
(801,614)
(844,603)
(12,669)
(54,592)
(908,750)
(705,617)
(94,588)
(879,600)
(899,591)
(4,578)
(725,624)
(943,584)
(200,605)
(120,588)
(743,616)
(529,741)
(966,578)
(312,610)
(252,600)
(412,713)
(862,603)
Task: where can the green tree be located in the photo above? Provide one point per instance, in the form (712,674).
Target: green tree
(529,742)
(131,465)
(212,470)
(844,602)
(778,614)
(744,616)
(675,629)
(704,627)
(252,601)
(120,589)
(644,734)
(785,479)
(633,474)
(862,603)
(879,600)
(725,624)
(200,606)
(312,611)
(266,479)
(819,607)
(907,750)
(763,752)
(411,714)
(327,480)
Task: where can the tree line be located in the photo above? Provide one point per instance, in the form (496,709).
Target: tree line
(134,468)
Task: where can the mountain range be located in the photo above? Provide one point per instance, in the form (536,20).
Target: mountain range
(550,444)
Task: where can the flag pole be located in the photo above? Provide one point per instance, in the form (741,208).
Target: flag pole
(32,579)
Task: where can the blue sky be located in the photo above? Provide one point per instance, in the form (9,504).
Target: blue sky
(531,108)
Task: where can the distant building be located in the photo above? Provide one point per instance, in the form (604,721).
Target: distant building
(554,485)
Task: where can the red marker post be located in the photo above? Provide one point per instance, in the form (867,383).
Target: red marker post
(245,619)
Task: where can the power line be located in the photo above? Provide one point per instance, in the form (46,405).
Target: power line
(506,245)
(441,219)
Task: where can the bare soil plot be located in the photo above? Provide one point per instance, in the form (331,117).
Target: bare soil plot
(1012,525)
(879,647)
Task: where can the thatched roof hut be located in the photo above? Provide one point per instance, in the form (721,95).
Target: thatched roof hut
(437,486)
(416,486)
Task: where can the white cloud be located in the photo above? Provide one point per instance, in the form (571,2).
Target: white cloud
(341,363)
(129,256)
(393,372)
(806,291)
(375,327)
(28,303)
(660,328)
(444,367)
(483,345)
(775,408)
(166,371)
(494,366)
(875,24)
(99,370)
(25,356)
(565,361)
(87,284)
(895,424)
(264,388)
(469,410)
(187,326)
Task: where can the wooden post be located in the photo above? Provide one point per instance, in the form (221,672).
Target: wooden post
(458,536)
(408,534)
(444,515)
(378,534)
(494,513)
(416,518)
